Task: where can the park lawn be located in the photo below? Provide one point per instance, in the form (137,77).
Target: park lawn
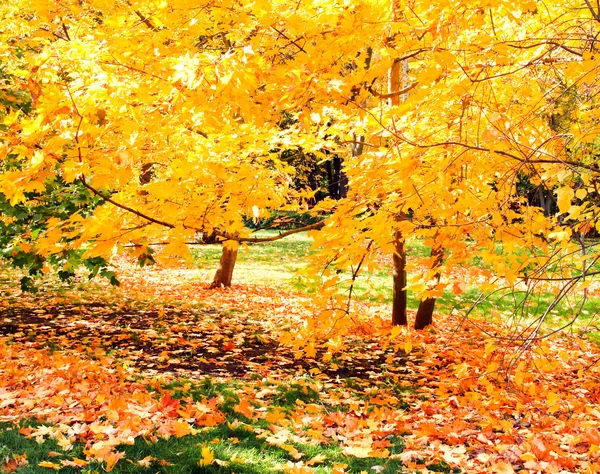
(165,374)
(280,264)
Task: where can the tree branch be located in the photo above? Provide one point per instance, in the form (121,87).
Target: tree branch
(146,21)
(126,208)
(222,235)
(290,40)
(595,14)
(392,94)
(225,236)
(66,31)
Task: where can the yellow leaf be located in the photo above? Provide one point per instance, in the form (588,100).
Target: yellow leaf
(408,346)
(318,459)
(147,461)
(207,457)
(290,449)
(502,468)
(490,346)
(181,428)
(564,197)
(552,400)
(50,465)
(75,462)
(574,212)
(358,451)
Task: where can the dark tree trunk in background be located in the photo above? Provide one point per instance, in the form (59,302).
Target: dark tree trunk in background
(337,180)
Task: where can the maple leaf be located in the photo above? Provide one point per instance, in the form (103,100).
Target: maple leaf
(229,345)
(244,408)
(75,462)
(169,405)
(13,463)
(182,428)
(297,468)
(207,457)
(146,461)
(502,468)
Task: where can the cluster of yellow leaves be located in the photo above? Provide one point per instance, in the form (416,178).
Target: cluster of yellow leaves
(195,94)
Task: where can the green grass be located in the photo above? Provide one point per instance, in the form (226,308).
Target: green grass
(269,264)
(279,264)
(238,443)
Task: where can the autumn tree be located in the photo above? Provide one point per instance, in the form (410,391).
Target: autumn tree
(450,158)
(196,93)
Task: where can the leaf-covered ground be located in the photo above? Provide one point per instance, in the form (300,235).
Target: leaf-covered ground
(165,358)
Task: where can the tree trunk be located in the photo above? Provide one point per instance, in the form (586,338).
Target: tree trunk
(338,181)
(398,74)
(400,297)
(226,264)
(424,315)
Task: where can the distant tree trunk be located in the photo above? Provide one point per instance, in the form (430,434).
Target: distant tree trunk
(226,264)
(400,296)
(338,181)
(425,312)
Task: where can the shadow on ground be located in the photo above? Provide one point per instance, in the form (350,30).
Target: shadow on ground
(191,343)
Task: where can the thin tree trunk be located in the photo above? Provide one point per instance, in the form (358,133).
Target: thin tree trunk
(342,179)
(542,198)
(226,264)
(424,315)
(400,297)
(398,74)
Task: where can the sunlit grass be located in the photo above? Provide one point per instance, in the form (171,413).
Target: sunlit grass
(280,264)
(273,264)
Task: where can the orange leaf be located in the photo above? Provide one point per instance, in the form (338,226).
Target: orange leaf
(244,408)
(229,345)
(541,451)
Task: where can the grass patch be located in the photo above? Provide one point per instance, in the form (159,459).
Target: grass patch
(235,448)
(270,264)
(25,454)
(278,264)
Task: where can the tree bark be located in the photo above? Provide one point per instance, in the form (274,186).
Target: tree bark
(337,180)
(400,297)
(226,264)
(397,74)
(424,315)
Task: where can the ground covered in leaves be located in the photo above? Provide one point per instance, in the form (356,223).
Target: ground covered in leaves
(165,374)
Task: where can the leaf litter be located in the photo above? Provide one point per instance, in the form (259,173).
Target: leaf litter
(97,364)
